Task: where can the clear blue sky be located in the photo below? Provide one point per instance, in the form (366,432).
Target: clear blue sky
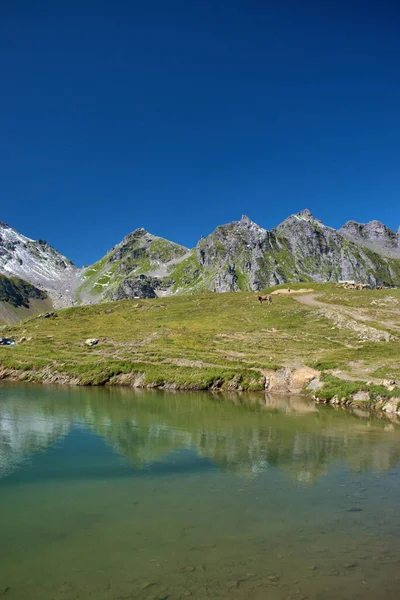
(182,115)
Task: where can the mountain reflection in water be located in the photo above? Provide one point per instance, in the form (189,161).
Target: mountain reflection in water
(242,434)
(114,494)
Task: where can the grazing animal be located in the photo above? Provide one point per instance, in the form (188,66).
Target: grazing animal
(265,298)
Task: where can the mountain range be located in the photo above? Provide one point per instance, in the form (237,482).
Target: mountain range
(238,256)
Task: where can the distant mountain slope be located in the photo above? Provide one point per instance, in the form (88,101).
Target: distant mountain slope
(135,267)
(38,263)
(373,235)
(323,254)
(237,256)
(242,255)
(19,300)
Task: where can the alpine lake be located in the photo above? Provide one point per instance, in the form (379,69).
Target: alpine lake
(112,493)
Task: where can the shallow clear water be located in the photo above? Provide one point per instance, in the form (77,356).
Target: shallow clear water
(117,494)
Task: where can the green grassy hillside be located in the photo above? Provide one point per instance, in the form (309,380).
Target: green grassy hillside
(18,292)
(19,300)
(211,340)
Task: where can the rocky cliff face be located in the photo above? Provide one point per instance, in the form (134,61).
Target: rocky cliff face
(38,263)
(242,255)
(321,253)
(238,256)
(374,236)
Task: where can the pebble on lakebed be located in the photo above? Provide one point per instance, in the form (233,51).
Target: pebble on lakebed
(147,584)
(187,569)
(349,565)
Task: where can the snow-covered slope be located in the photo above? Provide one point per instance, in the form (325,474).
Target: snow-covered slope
(40,264)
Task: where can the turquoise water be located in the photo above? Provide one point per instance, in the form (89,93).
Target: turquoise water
(116,494)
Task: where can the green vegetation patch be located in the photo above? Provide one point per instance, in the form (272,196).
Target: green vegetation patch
(165,251)
(202,341)
(185,274)
(334,386)
(18,292)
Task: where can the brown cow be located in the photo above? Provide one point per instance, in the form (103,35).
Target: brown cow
(266,297)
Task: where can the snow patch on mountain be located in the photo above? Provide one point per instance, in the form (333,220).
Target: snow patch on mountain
(40,264)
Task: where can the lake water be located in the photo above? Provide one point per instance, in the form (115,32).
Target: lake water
(116,494)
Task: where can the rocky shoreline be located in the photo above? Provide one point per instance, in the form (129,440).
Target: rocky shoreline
(308,381)
(390,406)
(282,382)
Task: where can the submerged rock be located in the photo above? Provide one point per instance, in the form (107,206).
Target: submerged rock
(186,569)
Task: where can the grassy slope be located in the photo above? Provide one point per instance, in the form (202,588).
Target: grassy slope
(196,341)
(18,292)
(19,300)
(10,314)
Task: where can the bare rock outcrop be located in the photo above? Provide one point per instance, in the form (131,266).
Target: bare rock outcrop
(289,380)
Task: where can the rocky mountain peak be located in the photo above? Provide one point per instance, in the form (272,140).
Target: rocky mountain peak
(302,220)
(373,235)
(246,223)
(373,229)
(134,235)
(139,232)
(376,229)
(305,214)
(239,255)
(351,227)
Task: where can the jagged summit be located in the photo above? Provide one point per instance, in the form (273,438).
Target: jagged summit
(140,240)
(138,232)
(305,213)
(240,255)
(351,226)
(245,221)
(304,219)
(373,235)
